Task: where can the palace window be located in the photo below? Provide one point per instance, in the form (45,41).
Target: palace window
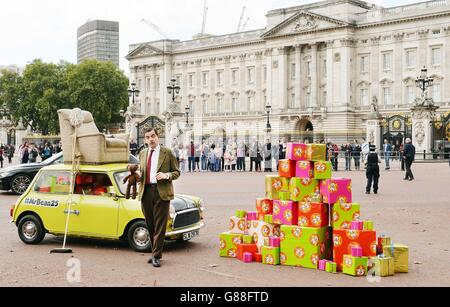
(219,104)
(205,79)
(191,80)
(265,73)
(387,95)
(219,78)
(436,56)
(148,84)
(205,106)
(251,103)
(387,61)
(234,104)
(293,71)
(364,96)
(411,58)
(364,64)
(436,92)
(234,76)
(410,94)
(251,75)
(292,103)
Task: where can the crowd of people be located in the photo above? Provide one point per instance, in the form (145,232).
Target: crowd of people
(29,152)
(233,156)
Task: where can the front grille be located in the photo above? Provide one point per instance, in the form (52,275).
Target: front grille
(186,218)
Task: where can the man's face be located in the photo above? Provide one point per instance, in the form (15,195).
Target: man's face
(151,139)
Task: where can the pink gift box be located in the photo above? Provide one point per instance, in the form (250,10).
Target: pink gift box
(304,169)
(323,264)
(274,241)
(285,212)
(357,225)
(252,216)
(296,151)
(357,252)
(248,257)
(336,190)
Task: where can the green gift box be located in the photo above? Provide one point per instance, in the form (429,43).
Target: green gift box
(382,266)
(368,225)
(303,246)
(342,215)
(355,266)
(268,218)
(400,254)
(275,185)
(228,244)
(322,170)
(316,152)
(303,189)
(331,267)
(241,213)
(247,239)
(284,195)
(270,255)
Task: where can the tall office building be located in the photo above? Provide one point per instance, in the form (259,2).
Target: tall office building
(98,39)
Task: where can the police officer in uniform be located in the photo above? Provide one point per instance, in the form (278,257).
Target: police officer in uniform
(373,169)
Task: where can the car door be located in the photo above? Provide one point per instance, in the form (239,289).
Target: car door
(48,198)
(96,213)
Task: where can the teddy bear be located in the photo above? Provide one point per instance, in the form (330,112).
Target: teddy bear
(132,179)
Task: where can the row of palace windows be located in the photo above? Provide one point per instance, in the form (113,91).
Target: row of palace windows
(410,59)
(410,94)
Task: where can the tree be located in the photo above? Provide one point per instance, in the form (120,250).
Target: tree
(100,88)
(11,93)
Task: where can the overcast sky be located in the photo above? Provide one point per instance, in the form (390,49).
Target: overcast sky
(46,29)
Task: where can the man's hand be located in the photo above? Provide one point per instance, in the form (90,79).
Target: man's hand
(162,176)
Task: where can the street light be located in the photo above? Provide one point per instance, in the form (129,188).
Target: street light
(173,88)
(188,109)
(268,126)
(133,91)
(423,81)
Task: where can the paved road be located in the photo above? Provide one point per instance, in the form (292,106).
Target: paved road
(414,213)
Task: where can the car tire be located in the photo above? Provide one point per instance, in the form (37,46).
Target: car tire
(31,230)
(138,237)
(20,183)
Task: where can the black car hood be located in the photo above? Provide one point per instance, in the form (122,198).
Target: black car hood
(181,203)
(20,167)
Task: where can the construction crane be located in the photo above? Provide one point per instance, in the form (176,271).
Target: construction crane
(245,24)
(155,27)
(205,14)
(240,20)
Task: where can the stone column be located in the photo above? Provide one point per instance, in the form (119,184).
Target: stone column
(282,78)
(373,129)
(398,93)
(259,101)
(421,127)
(330,63)
(314,74)
(242,83)
(298,74)
(269,84)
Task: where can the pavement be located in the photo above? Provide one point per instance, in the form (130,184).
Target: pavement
(413,213)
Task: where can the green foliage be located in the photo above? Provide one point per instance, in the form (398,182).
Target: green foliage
(35,97)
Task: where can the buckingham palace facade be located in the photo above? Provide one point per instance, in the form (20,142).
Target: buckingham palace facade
(319,66)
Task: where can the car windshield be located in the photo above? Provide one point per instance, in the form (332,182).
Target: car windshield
(119,177)
(55,159)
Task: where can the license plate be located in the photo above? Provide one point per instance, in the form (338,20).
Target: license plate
(190,235)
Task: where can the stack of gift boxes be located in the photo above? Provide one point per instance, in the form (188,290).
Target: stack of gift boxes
(308,219)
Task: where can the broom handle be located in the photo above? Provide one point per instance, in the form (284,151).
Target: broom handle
(72,180)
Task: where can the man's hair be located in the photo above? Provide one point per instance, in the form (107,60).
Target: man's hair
(154,129)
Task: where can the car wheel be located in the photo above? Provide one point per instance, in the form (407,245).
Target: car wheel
(139,237)
(20,183)
(31,230)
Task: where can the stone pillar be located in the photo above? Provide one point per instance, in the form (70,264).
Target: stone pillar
(314,74)
(373,131)
(330,64)
(259,100)
(243,107)
(421,127)
(298,74)
(269,83)
(282,78)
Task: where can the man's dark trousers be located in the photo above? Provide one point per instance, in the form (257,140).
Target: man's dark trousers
(157,210)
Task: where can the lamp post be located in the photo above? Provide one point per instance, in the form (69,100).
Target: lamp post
(173,88)
(423,81)
(188,109)
(133,92)
(268,126)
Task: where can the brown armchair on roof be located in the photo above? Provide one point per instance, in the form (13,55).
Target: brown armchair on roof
(95,147)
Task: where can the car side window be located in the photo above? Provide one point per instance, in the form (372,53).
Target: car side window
(95,184)
(53,183)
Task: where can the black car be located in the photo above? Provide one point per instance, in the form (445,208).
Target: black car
(17,178)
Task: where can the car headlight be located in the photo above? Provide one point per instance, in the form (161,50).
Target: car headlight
(172,212)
